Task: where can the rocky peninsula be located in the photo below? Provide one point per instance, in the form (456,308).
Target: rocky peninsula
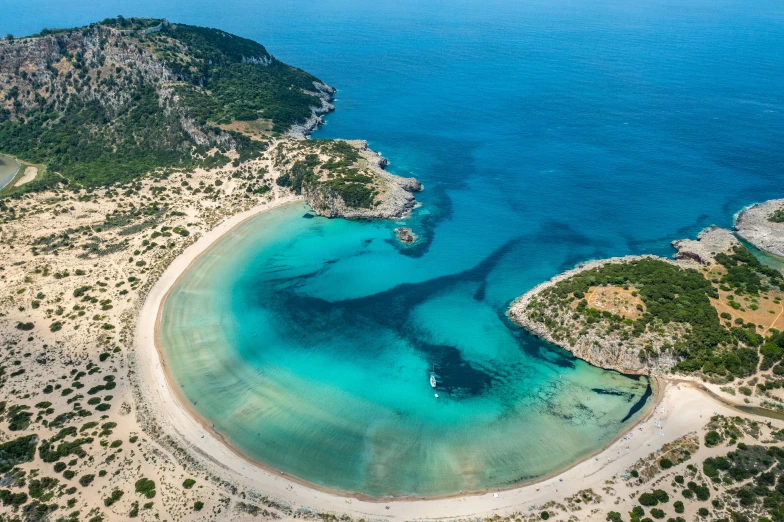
(642,314)
(343,179)
(762,225)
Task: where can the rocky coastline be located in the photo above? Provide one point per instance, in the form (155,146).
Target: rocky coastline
(610,350)
(394,194)
(754,225)
(395,197)
(602,352)
(326,93)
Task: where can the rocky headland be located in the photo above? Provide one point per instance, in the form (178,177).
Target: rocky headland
(709,243)
(593,345)
(602,322)
(347,179)
(762,225)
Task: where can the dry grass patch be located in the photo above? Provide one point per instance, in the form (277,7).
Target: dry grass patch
(766,310)
(616,300)
(255,130)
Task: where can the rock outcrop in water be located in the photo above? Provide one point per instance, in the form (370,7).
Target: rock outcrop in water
(762,225)
(405,235)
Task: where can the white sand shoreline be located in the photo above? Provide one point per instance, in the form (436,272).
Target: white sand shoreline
(685,410)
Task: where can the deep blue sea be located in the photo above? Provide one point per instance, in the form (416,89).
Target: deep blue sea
(546,133)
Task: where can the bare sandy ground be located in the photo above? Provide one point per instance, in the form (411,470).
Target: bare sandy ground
(681,409)
(29,175)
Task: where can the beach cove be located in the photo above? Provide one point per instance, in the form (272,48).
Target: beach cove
(680,408)
(304,406)
(280,365)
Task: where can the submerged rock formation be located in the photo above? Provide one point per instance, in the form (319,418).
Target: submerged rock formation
(762,225)
(405,235)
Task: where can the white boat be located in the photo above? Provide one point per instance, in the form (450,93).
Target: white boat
(433,379)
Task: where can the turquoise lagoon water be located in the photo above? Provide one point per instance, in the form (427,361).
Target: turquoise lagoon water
(546,132)
(275,338)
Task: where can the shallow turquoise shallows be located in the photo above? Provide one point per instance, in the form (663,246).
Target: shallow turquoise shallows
(546,132)
(273,337)
(9,168)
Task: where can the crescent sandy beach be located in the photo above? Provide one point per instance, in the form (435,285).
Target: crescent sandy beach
(475,261)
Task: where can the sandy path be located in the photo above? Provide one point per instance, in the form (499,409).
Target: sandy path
(681,409)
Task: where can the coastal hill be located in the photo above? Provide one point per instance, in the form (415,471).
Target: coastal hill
(715,311)
(145,137)
(123,98)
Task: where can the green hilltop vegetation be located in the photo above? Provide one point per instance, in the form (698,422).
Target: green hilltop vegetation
(674,295)
(777,216)
(343,175)
(117,99)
